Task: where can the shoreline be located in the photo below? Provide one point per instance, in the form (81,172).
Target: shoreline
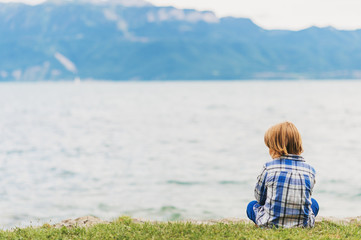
(88,221)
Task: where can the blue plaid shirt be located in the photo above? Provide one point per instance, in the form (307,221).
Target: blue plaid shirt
(283,191)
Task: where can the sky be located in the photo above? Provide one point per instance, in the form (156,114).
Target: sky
(275,14)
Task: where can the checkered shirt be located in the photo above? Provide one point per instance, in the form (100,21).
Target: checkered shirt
(283,191)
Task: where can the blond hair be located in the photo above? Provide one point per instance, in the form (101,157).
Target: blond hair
(284,138)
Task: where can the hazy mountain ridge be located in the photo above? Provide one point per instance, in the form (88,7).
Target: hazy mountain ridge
(119,41)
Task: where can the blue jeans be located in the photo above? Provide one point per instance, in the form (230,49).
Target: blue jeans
(251,214)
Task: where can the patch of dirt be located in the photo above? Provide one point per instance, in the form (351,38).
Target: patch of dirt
(86,221)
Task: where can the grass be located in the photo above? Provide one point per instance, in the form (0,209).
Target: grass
(124,228)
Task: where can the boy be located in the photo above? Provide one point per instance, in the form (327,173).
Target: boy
(284,187)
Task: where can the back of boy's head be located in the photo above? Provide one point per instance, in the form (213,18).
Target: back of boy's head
(284,139)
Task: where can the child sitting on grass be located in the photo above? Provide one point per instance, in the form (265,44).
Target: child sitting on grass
(284,187)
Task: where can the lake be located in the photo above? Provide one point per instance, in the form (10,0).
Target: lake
(167,150)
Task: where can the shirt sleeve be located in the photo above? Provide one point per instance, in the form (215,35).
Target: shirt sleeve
(260,191)
(313,184)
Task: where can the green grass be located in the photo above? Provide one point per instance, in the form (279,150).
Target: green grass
(124,228)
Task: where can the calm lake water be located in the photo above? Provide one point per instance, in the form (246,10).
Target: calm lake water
(167,150)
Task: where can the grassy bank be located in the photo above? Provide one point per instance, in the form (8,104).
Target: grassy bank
(125,228)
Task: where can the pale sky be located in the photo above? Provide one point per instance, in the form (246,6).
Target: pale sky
(275,14)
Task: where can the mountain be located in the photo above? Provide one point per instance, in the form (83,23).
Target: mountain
(134,40)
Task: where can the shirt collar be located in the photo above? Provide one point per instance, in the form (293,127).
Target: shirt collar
(292,157)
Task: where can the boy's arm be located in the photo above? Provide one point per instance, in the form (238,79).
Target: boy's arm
(260,191)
